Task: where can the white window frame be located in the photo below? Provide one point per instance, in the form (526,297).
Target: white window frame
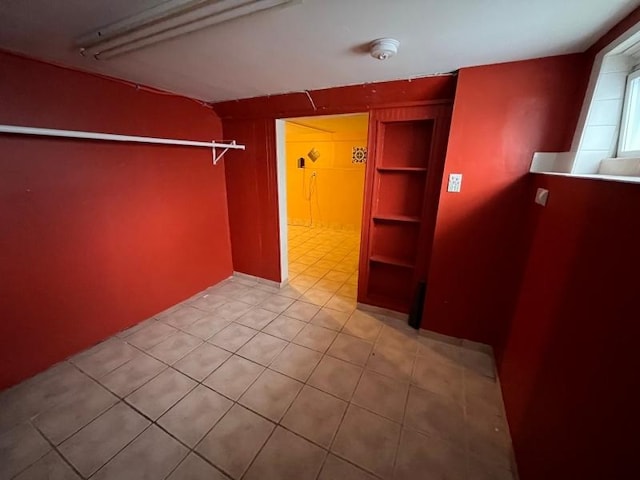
(594,161)
(626,114)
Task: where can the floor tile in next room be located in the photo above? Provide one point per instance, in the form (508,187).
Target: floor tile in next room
(217,388)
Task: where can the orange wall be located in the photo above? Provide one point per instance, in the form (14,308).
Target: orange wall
(339,183)
(97,236)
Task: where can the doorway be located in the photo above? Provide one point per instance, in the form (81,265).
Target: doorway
(321,170)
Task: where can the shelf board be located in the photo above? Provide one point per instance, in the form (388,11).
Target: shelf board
(402,169)
(390,261)
(396,218)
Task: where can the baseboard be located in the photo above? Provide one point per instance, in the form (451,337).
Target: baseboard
(260,280)
(461,342)
(383,311)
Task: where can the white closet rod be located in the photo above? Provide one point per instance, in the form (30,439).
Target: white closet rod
(50,132)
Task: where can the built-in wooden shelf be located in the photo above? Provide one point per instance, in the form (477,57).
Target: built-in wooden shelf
(396,218)
(398,205)
(402,169)
(391,261)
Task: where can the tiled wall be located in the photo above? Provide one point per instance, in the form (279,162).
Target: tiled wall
(337,196)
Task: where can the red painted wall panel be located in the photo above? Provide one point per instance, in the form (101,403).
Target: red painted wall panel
(568,362)
(329,101)
(251,175)
(569,366)
(502,114)
(253,198)
(97,236)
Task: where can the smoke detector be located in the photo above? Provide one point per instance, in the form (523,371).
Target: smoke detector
(384,48)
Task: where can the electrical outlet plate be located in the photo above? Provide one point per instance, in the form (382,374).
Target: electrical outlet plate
(542,196)
(455,182)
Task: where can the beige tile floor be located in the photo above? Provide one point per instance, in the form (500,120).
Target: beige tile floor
(247,381)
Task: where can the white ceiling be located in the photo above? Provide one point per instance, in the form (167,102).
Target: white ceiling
(314,44)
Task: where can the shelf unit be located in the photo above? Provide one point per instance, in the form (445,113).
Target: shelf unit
(406,151)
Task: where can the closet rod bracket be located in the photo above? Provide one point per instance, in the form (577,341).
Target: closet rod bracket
(217,157)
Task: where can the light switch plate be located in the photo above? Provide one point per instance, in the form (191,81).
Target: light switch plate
(455,182)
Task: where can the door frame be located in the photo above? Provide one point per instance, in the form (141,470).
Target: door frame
(281,177)
(281,171)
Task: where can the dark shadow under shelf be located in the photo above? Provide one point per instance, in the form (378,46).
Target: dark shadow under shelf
(396,218)
(391,261)
(402,169)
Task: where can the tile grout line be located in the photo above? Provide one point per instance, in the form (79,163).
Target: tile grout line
(279,423)
(120,450)
(152,422)
(234,402)
(349,402)
(137,410)
(253,460)
(54,448)
(123,399)
(404,415)
(155,422)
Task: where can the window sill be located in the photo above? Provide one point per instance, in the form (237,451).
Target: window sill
(625,170)
(620,167)
(596,176)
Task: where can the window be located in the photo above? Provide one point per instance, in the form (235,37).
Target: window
(606,143)
(629,143)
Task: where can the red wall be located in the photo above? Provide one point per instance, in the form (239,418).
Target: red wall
(97,236)
(330,101)
(502,114)
(251,175)
(252,190)
(569,367)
